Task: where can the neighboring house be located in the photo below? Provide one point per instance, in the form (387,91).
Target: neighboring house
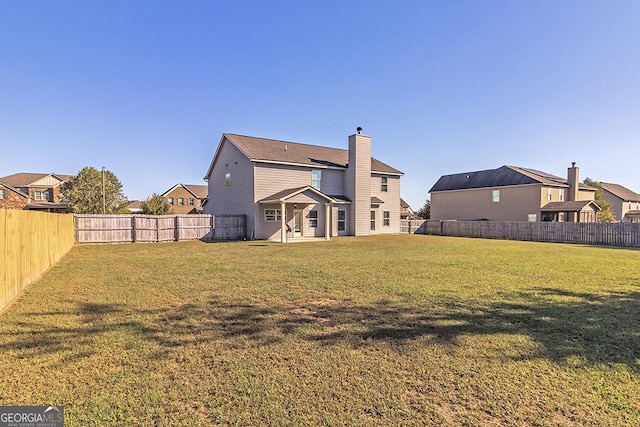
(33,191)
(289,190)
(625,204)
(512,193)
(405,211)
(135,206)
(186,199)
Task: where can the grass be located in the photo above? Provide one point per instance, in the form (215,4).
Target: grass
(389,330)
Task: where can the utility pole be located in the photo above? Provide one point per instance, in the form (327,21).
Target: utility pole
(104,201)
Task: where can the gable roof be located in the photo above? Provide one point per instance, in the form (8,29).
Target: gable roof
(26,179)
(284,195)
(500,177)
(15,190)
(621,192)
(198,191)
(575,206)
(294,153)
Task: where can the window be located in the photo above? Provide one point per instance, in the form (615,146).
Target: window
(170,200)
(342,220)
(41,195)
(532,217)
(561,194)
(3,195)
(373,220)
(386,218)
(549,194)
(495,196)
(383,184)
(313,219)
(272,215)
(191,202)
(227,179)
(180,201)
(316,178)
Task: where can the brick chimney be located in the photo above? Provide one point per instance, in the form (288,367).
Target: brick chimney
(358,183)
(573,179)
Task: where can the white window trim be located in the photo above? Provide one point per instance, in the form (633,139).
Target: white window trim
(495,196)
(276,216)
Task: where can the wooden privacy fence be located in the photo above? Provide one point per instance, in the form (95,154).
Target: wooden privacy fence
(593,233)
(30,243)
(413,226)
(157,228)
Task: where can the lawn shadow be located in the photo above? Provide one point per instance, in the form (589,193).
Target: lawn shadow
(591,328)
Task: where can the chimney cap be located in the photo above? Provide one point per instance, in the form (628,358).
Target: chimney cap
(573,164)
(359,130)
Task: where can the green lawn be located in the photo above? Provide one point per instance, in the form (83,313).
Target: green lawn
(389,330)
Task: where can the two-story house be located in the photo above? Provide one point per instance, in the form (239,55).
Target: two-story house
(34,191)
(289,189)
(511,193)
(186,198)
(625,204)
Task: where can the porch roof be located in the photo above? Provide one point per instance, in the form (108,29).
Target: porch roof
(284,195)
(577,206)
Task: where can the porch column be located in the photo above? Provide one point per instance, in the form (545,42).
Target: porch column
(283,223)
(327,221)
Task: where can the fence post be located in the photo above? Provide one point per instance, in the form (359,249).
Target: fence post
(176,229)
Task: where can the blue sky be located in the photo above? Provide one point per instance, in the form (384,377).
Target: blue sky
(146,88)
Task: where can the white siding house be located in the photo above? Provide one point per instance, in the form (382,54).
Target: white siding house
(289,190)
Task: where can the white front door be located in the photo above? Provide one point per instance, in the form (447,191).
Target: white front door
(297,223)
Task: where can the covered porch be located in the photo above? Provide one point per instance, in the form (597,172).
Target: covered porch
(297,214)
(578,211)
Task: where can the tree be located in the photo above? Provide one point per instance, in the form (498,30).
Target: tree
(156,205)
(425,211)
(605,215)
(92,191)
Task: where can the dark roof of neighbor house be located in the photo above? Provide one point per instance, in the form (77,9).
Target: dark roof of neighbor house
(26,179)
(500,177)
(199,191)
(272,150)
(15,190)
(576,206)
(619,191)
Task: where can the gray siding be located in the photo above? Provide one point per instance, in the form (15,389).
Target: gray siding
(238,198)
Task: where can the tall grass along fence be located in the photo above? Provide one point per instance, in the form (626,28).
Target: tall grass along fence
(157,228)
(412,226)
(614,234)
(30,243)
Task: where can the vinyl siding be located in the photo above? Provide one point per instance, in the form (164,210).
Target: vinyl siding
(391,203)
(358,184)
(238,198)
(516,203)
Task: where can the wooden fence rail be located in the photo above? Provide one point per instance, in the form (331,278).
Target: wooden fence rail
(30,243)
(157,228)
(413,226)
(592,233)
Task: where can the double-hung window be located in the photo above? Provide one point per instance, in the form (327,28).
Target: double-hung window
(313,219)
(386,218)
(41,195)
(373,220)
(3,194)
(384,185)
(549,194)
(272,215)
(495,196)
(316,178)
(170,201)
(227,179)
(342,220)
(180,201)
(561,194)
